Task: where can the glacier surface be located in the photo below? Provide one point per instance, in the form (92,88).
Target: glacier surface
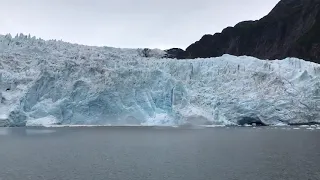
(54,82)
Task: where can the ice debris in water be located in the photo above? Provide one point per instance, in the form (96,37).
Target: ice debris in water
(58,83)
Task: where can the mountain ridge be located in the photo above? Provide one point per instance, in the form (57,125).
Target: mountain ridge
(289,30)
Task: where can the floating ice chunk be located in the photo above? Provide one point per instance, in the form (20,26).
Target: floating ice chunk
(213,126)
(75,126)
(304,126)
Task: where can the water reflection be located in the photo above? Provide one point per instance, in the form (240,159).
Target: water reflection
(39,131)
(4,131)
(25,131)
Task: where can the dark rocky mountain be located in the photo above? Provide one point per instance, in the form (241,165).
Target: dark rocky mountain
(291,29)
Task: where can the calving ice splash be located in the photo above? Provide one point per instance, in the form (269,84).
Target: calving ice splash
(53,82)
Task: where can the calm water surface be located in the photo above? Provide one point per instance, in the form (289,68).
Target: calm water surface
(134,153)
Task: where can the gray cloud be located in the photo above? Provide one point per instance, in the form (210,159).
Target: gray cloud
(127,23)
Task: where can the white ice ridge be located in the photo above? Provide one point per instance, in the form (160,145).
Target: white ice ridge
(53,82)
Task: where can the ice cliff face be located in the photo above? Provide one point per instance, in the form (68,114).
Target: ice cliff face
(53,82)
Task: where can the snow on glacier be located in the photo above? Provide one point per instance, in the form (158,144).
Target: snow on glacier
(53,82)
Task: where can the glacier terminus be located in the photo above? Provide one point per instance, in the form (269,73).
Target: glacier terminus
(45,83)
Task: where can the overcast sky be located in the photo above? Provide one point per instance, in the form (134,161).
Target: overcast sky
(127,23)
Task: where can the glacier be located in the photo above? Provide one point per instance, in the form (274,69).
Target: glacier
(57,83)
